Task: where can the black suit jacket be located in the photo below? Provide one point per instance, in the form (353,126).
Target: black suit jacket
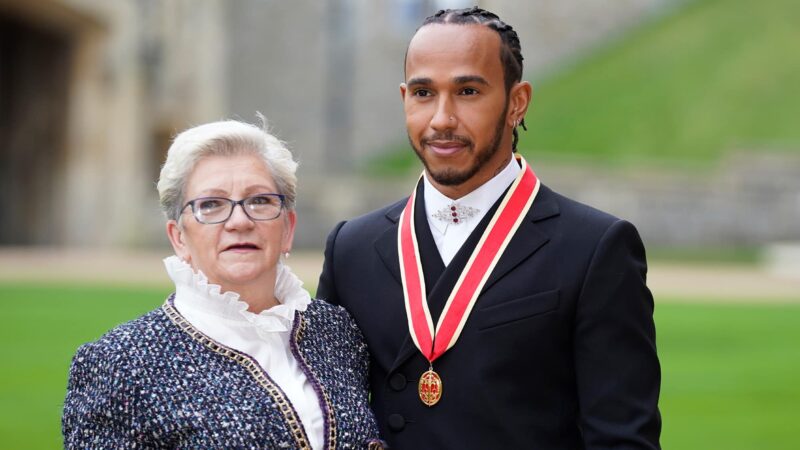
(558,353)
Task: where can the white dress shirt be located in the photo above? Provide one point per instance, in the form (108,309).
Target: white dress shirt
(264,336)
(450,236)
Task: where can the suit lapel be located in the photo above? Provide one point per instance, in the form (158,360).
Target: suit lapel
(529,237)
(386,244)
(386,247)
(526,241)
(439,281)
(432,265)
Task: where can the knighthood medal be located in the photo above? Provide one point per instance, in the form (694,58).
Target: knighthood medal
(433,343)
(430,387)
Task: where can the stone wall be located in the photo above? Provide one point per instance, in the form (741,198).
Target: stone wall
(326,74)
(751,198)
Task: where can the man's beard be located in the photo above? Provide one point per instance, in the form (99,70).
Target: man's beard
(450,176)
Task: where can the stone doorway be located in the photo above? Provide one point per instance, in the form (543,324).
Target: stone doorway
(34,87)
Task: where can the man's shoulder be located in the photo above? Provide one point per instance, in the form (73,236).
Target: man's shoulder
(390,211)
(571,210)
(585,226)
(374,221)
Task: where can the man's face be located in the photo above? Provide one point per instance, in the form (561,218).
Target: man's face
(456,105)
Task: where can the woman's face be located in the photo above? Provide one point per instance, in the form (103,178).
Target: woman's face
(239,252)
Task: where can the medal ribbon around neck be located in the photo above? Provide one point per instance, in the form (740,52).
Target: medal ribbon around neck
(514,207)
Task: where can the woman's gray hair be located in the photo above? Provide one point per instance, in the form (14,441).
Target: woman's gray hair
(225,138)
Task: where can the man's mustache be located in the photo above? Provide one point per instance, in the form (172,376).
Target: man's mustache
(465,141)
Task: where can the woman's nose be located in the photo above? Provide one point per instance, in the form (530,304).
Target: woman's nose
(238,218)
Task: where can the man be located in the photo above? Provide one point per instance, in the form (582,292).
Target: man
(498,313)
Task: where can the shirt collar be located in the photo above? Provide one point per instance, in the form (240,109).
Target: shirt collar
(481,198)
(193,290)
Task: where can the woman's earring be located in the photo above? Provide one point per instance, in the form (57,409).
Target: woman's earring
(286,255)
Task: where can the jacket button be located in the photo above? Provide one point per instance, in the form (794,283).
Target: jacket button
(396,422)
(398,382)
(376,445)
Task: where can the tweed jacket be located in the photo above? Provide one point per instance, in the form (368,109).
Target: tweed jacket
(157,382)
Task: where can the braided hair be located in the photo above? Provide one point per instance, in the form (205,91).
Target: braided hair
(510,49)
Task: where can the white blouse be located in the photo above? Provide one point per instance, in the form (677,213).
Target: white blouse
(264,336)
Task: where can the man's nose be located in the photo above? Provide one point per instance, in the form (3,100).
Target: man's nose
(444,118)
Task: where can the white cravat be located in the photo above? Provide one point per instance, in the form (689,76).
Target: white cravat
(449,236)
(264,336)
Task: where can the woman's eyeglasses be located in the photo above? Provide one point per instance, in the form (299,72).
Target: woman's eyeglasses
(213,210)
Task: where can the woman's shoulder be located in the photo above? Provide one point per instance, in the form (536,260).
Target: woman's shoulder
(118,356)
(130,336)
(332,321)
(322,311)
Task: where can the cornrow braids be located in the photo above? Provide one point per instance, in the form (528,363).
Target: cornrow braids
(510,49)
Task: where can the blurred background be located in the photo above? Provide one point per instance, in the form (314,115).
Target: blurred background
(679,115)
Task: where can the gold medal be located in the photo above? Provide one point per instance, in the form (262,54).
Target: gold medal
(430,387)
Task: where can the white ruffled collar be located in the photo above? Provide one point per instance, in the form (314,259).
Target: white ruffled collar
(193,290)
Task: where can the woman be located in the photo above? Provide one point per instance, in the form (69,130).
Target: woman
(239,356)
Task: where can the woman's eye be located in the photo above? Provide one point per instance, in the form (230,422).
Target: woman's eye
(209,204)
(263,200)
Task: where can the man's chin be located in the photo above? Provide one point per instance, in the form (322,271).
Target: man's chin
(450,177)
(443,172)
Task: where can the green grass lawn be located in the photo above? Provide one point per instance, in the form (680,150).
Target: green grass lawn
(43,326)
(729,371)
(730,375)
(709,77)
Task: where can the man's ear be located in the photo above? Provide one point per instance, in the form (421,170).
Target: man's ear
(176,238)
(403,88)
(518,100)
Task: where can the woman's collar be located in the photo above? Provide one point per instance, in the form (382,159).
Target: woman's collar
(193,289)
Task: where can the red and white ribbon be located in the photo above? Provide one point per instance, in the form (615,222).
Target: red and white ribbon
(506,220)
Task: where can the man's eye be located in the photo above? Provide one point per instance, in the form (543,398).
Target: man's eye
(422,93)
(469,91)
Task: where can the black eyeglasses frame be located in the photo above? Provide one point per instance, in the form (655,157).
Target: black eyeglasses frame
(233,203)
